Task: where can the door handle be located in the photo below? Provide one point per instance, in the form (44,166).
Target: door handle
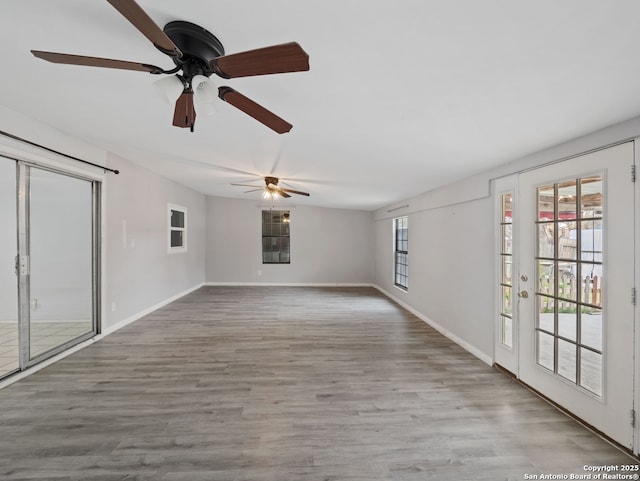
(523,294)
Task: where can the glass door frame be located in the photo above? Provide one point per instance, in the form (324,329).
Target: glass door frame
(24,294)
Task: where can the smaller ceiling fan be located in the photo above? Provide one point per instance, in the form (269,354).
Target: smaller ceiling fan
(197,54)
(271,189)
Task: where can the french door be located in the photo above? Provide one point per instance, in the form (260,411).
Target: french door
(51,300)
(573,287)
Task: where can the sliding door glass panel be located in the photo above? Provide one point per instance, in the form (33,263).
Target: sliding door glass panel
(60,249)
(9,358)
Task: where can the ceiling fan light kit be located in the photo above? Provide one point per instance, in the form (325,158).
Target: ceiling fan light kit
(197,54)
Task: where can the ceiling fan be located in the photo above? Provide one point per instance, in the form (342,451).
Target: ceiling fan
(271,189)
(197,54)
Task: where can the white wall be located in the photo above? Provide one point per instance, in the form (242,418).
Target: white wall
(328,246)
(450,268)
(139,271)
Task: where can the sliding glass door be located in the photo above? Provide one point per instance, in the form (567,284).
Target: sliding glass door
(50,270)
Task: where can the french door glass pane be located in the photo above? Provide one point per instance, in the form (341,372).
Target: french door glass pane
(569,279)
(591,370)
(61,247)
(567,359)
(9,356)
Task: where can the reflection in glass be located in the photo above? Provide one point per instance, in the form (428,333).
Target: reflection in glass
(567,360)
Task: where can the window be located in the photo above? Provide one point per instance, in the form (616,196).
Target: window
(177,235)
(506,263)
(275,237)
(401,248)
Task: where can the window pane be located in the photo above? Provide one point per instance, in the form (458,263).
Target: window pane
(591,284)
(591,371)
(177,238)
(177,218)
(546,277)
(546,203)
(591,197)
(545,350)
(507,331)
(507,208)
(567,360)
(591,328)
(507,262)
(507,237)
(546,240)
(567,200)
(567,240)
(567,283)
(591,240)
(507,306)
(546,313)
(568,320)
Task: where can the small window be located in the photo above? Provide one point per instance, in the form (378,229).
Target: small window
(177,221)
(401,250)
(275,237)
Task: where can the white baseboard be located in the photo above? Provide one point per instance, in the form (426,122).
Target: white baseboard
(445,332)
(119,325)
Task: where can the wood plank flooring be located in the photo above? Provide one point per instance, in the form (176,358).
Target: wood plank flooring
(272,383)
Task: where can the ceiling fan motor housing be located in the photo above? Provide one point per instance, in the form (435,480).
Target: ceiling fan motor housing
(199,48)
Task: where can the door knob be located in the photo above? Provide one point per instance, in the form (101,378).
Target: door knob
(523,294)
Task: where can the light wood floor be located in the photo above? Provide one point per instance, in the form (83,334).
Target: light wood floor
(279,384)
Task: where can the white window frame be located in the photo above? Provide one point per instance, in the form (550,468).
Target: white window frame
(396,251)
(170,229)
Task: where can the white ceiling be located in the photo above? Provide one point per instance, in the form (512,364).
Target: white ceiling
(402,96)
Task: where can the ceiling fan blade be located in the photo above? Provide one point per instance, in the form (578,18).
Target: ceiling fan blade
(287,57)
(184,114)
(252,190)
(282,193)
(255,110)
(143,22)
(295,192)
(69,59)
(248,185)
